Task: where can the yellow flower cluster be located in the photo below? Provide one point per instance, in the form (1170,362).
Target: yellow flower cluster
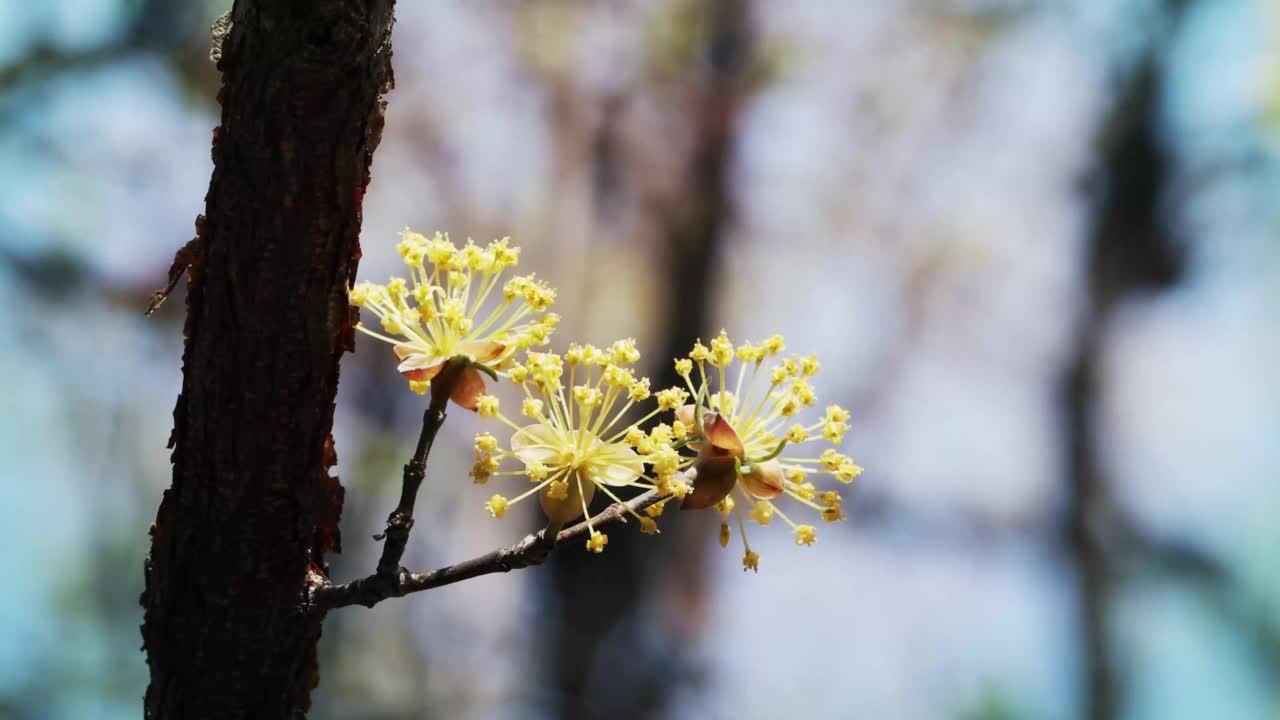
(730,443)
(441,311)
(730,449)
(738,436)
(571,444)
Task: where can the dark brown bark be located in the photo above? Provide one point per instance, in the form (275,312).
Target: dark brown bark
(252,509)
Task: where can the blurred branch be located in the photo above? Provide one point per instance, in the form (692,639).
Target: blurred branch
(52,273)
(531,551)
(48,59)
(1129,252)
(156,29)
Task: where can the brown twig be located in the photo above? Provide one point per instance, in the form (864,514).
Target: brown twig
(400,521)
(532,550)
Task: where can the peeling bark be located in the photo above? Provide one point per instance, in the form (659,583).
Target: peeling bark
(252,510)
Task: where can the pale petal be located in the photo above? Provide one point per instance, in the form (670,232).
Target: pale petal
(417,365)
(484,351)
(537,443)
(615,464)
(570,508)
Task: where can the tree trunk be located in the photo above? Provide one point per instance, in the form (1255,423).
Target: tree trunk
(1129,252)
(252,509)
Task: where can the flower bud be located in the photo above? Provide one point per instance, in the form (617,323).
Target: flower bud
(685,414)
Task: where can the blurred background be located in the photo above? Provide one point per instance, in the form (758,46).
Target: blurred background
(1035,245)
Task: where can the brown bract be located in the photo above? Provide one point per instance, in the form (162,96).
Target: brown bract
(467,387)
(714,471)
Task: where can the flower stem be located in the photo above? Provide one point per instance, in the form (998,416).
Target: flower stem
(400,521)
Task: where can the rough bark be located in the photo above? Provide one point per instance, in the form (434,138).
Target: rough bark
(252,510)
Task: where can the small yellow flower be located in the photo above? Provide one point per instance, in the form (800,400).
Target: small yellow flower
(797,434)
(832,460)
(721,351)
(751,561)
(485,444)
(532,408)
(648,526)
(624,352)
(573,442)
(834,431)
(597,541)
(557,490)
(805,535)
(700,353)
(442,312)
(762,512)
(804,491)
(847,471)
(809,366)
(587,397)
(639,390)
(661,434)
(671,398)
(518,373)
(635,436)
(739,438)
(487,406)
(497,506)
(679,430)
(483,469)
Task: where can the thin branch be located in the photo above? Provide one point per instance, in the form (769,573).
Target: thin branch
(532,550)
(400,521)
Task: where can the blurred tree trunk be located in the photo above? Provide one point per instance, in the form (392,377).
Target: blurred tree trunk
(252,509)
(1129,252)
(594,599)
